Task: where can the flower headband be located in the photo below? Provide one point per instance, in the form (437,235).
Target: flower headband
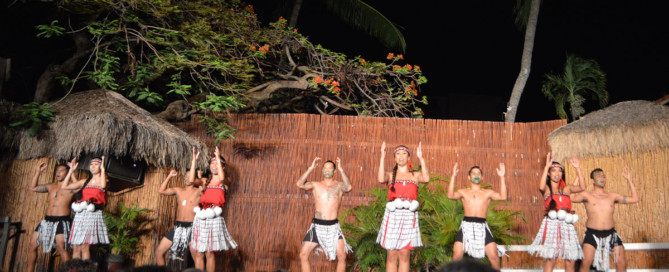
(96,160)
(557,165)
(401,147)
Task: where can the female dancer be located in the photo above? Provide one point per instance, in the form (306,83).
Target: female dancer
(557,237)
(399,232)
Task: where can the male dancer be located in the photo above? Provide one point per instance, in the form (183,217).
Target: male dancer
(55,228)
(178,238)
(324,229)
(601,238)
(474,236)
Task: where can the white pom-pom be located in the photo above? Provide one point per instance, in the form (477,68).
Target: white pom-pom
(398,203)
(569,218)
(201,214)
(218,211)
(574,219)
(406,204)
(75,207)
(209,213)
(552,214)
(391,206)
(90,207)
(196,209)
(414,205)
(561,214)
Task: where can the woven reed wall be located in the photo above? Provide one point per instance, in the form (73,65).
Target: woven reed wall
(267,214)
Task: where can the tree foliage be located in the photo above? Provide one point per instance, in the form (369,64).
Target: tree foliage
(157,52)
(581,78)
(440,220)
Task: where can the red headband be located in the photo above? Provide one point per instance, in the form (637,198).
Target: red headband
(96,160)
(402,148)
(557,165)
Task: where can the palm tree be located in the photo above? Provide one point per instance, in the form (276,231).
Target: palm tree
(361,16)
(527,15)
(582,77)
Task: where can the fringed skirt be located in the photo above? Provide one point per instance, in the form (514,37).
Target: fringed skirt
(556,239)
(605,242)
(49,228)
(211,234)
(327,234)
(475,234)
(89,228)
(399,230)
(180,235)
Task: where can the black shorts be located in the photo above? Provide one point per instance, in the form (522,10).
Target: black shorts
(615,240)
(488,236)
(170,234)
(57,219)
(311,233)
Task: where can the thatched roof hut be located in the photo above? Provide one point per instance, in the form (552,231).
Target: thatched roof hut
(630,126)
(105,122)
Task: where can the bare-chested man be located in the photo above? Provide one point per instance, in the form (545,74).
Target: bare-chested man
(601,238)
(474,236)
(55,228)
(324,229)
(188,197)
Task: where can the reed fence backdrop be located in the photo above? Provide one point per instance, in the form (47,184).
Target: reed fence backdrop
(268,215)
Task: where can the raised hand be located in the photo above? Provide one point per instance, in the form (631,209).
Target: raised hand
(313,164)
(173,173)
(42,167)
(549,160)
(216,152)
(456,170)
(419,151)
(383,149)
(575,162)
(339,164)
(102,164)
(626,173)
(501,170)
(196,154)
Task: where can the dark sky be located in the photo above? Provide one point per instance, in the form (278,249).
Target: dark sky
(470,50)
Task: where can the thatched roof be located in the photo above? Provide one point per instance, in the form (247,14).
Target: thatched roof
(105,122)
(626,127)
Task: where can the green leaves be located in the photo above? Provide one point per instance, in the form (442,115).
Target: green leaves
(124,227)
(50,30)
(35,116)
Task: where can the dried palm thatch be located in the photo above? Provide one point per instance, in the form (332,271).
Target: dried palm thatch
(626,127)
(105,122)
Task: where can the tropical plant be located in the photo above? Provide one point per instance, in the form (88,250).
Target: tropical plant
(581,78)
(361,16)
(527,15)
(440,220)
(157,53)
(125,226)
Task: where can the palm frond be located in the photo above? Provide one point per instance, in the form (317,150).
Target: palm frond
(364,17)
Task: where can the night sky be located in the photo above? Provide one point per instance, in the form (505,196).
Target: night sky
(470,50)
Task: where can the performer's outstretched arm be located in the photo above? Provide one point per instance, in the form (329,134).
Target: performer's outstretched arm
(634,198)
(424,176)
(33,183)
(193,166)
(70,182)
(382,177)
(502,195)
(302,182)
(163,186)
(219,165)
(451,185)
(347,183)
(542,178)
(103,174)
(579,183)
